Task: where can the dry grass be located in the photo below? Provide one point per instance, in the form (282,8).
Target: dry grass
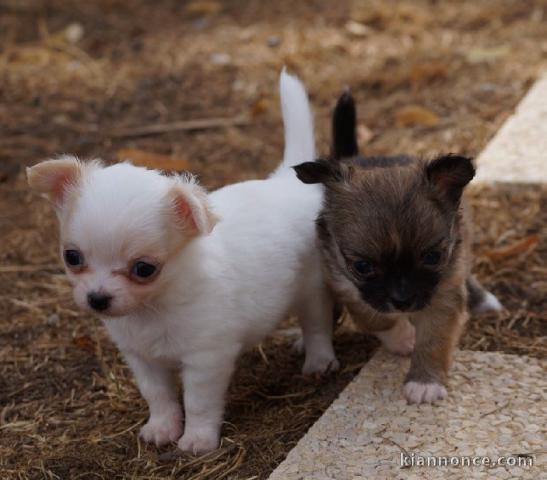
(68,406)
(511,251)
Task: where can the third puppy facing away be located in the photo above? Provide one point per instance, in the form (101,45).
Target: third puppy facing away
(395,239)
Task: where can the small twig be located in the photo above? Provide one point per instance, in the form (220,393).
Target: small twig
(236,464)
(403,450)
(281,397)
(497,409)
(262,354)
(12,394)
(199,124)
(353,367)
(209,457)
(28,268)
(128,429)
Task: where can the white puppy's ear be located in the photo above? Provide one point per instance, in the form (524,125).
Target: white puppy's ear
(191,206)
(55,178)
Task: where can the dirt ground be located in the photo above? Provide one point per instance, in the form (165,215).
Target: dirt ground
(91,78)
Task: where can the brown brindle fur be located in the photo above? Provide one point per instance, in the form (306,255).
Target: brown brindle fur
(378,190)
(395,237)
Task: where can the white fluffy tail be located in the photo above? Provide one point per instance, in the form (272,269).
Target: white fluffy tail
(297,122)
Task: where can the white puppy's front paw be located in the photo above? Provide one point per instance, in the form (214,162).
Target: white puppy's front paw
(400,339)
(198,441)
(417,392)
(162,429)
(298,345)
(320,364)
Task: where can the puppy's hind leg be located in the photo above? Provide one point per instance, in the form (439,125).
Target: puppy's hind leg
(315,316)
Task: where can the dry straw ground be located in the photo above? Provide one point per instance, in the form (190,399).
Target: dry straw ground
(97,78)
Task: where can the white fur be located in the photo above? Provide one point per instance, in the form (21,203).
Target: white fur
(417,392)
(489,303)
(298,122)
(218,293)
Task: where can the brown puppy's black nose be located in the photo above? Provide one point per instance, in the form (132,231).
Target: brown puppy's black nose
(402,305)
(402,297)
(98,301)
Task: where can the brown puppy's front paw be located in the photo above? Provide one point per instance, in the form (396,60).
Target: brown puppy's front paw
(418,392)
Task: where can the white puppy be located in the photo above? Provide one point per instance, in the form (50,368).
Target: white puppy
(186,280)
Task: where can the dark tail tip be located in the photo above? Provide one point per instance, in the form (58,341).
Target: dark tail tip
(344,127)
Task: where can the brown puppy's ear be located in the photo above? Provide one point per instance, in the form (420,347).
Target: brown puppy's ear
(55,178)
(448,175)
(320,171)
(190,204)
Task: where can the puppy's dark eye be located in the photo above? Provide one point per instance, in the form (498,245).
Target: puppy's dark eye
(432,258)
(362,267)
(143,270)
(73,258)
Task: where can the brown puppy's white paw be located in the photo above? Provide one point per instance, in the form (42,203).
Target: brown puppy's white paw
(417,392)
(400,339)
(162,429)
(199,441)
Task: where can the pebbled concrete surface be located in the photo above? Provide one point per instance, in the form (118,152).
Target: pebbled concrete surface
(518,151)
(497,406)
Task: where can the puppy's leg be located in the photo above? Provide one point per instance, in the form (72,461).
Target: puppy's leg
(206,377)
(481,300)
(436,339)
(157,387)
(399,339)
(315,316)
(396,333)
(337,311)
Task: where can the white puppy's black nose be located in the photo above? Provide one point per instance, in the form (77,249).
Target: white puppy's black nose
(98,301)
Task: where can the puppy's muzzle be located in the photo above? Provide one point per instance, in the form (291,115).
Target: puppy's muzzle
(402,299)
(99,301)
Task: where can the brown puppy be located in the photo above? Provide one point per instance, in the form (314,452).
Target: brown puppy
(395,239)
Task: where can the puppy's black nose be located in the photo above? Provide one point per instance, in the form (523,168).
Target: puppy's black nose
(98,301)
(402,298)
(402,304)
